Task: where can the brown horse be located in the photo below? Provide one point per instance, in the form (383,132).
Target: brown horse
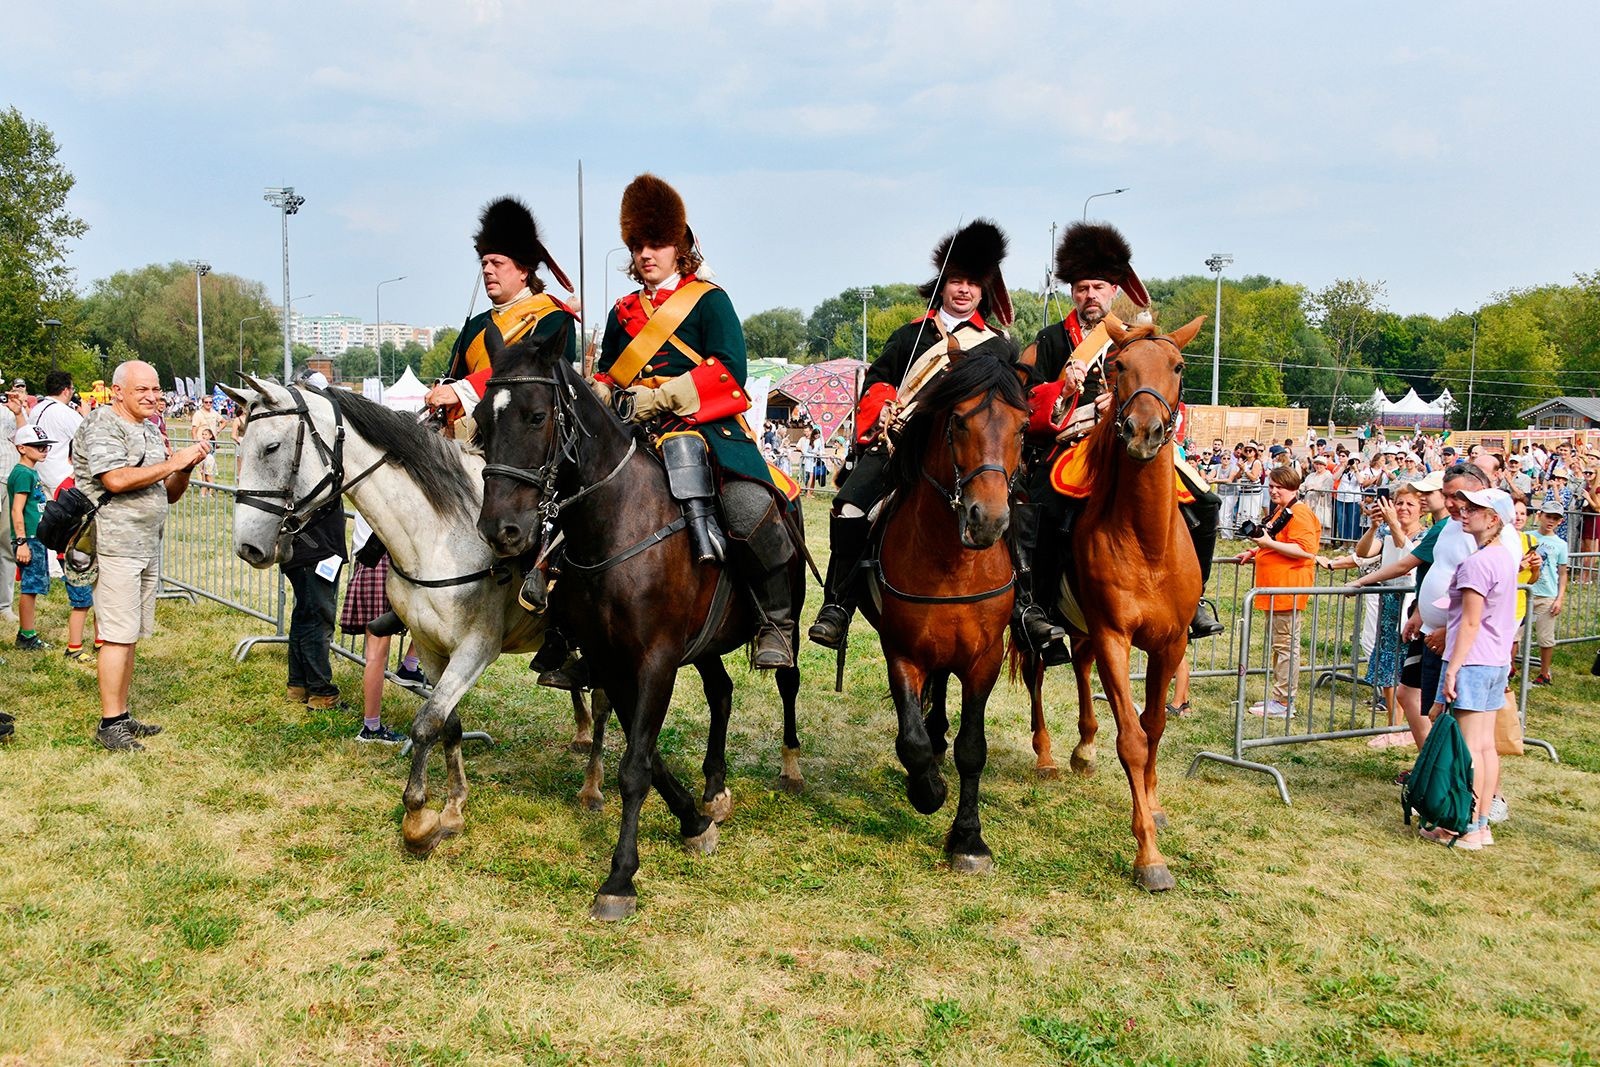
(943,585)
(1133,574)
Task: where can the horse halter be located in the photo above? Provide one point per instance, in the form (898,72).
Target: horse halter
(1168,428)
(961,481)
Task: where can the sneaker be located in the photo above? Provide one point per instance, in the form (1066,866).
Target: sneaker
(324,702)
(142,729)
(32,644)
(78,655)
(1499,811)
(382,735)
(7,729)
(412,676)
(1276,710)
(1542,679)
(118,737)
(295,694)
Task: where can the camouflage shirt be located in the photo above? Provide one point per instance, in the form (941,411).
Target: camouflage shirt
(130,523)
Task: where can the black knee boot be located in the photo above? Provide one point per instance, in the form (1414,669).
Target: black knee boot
(1202,517)
(1030,624)
(763,562)
(847,544)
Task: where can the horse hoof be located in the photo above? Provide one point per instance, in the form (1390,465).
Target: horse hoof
(1049,774)
(705,843)
(422,830)
(719,807)
(1160,818)
(965,864)
(591,802)
(581,746)
(1083,765)
(927,792)
(610,908)
(1156,878)
(791,785)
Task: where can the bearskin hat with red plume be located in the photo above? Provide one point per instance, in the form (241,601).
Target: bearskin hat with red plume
(1097,250)
(974,252)
(506,228)
(653,214)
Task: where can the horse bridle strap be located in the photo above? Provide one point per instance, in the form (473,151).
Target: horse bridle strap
(443,583)
(675,526)
(1168,427)
(921,598)
(296,513)
(961,481)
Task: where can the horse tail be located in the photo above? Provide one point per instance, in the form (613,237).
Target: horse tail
(1019,664)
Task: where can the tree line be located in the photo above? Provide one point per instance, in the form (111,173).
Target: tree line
(1282,343)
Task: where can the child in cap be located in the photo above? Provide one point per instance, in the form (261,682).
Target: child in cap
(25,497)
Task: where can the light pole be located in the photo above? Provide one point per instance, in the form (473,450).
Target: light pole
(377,299)
(607,272)
(1217,261)
(866,292)
(1108,192)
(201,269)
(242,321)
(284,199)
(54,326)
(1472,371)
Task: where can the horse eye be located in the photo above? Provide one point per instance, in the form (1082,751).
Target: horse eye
(270,449)
(534,418)
(1178,369)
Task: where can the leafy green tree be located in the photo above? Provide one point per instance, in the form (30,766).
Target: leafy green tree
(1346,314)
(358,362)
(777,333)
(1512,348)
(822,328)
(435,363)
(35,226)
(410,356)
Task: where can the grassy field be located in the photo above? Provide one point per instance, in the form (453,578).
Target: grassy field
(238,893)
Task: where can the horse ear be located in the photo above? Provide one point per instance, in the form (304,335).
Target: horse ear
(494,342)
(1117,330)
(239,397)
(1186,333)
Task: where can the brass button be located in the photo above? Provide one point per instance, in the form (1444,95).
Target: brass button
(712,362)
(726,432)
(736,394)
(722,378)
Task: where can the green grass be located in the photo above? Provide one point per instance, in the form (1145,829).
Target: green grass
(238,892)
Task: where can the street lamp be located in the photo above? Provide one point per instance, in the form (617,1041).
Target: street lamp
(1108,192)
(242,321)
(1472,371)
(1216,262)
(607,273)
(201,269)
(865,292)
(284,199)
(377,300)
(54,325)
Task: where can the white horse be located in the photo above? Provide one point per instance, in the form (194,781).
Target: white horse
(303,447)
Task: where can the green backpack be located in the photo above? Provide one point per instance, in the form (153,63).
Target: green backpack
(1439,788)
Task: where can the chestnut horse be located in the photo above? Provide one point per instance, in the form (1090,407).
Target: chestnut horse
(942,585)
(1133,574)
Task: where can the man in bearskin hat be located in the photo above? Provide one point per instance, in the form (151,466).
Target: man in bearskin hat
(509,253)
(1094,261)
(969,306)
(673,356)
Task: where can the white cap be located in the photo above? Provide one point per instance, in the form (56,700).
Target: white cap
(1498,499)
(32,435)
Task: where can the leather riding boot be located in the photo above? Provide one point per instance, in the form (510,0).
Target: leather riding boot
(1030,623)
(691,482)
(553,653)
(1202,517)
(386,625)
(763,562)
(847,544)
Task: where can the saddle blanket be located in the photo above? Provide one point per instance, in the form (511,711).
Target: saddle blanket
(1071,476)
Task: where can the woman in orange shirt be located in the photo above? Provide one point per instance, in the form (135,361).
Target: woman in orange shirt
(1285,555)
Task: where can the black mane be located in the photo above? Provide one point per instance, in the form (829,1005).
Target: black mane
(433,462)
(989,368)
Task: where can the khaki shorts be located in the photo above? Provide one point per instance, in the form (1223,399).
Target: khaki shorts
(125,598)
(1544,623)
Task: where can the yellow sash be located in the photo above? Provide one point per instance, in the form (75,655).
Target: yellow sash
(663,324)
(515,321)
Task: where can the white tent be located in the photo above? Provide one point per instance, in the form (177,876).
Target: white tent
(406,394)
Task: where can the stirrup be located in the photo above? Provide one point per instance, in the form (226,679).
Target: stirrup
(1205,622)
(833,623)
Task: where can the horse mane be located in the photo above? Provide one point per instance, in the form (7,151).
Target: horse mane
(433,462)
(989,368)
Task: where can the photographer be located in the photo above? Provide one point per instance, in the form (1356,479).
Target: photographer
(1348,483)
(1285,555)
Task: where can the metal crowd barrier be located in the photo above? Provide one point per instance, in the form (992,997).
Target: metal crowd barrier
(1326,672)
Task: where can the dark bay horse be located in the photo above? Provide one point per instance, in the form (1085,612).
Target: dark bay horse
(629,592)
(1133,574)
(942,587)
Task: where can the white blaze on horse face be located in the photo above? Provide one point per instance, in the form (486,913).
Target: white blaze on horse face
(502,399)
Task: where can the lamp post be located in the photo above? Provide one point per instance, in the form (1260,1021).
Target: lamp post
(54,326)
(250,318)
(1108,192)
(201,269)
(865,292)
(284,199)
(1472,371)
(1216,262)
(377,299)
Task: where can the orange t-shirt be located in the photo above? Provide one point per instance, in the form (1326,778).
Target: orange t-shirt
(1276,569)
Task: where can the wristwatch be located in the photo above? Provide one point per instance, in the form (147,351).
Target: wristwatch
(18,541)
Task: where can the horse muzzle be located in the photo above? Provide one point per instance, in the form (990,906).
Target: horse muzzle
(506,537)
(982,525)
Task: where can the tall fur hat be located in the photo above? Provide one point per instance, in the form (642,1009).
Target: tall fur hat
(974,252)
(506,228)
(1097,250)
(653,214)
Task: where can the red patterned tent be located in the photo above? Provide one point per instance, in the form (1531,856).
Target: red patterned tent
(825,392)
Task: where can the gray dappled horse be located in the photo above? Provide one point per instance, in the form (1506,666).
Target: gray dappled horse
(302,447)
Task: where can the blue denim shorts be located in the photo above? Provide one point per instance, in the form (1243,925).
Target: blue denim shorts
(36,573)
(1478,687)
(80,596)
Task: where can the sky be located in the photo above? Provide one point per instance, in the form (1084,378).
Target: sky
(1446,150)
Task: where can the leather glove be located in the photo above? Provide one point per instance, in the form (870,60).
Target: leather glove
(601,389)
(648,403)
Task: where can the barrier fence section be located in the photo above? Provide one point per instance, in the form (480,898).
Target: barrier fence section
(1310,669)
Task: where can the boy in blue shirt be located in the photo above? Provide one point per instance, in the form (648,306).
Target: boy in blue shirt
(1549,591)
(25,494)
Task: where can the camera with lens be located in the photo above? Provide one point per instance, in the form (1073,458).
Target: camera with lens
(1249,530)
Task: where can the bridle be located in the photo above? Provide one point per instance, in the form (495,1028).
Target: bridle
(295,513)
(567,431)
(960,481)
(1169,426)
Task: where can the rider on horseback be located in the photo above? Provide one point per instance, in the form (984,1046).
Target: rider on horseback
(1094,261)
(509,251)
(673,357)
(966,292)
